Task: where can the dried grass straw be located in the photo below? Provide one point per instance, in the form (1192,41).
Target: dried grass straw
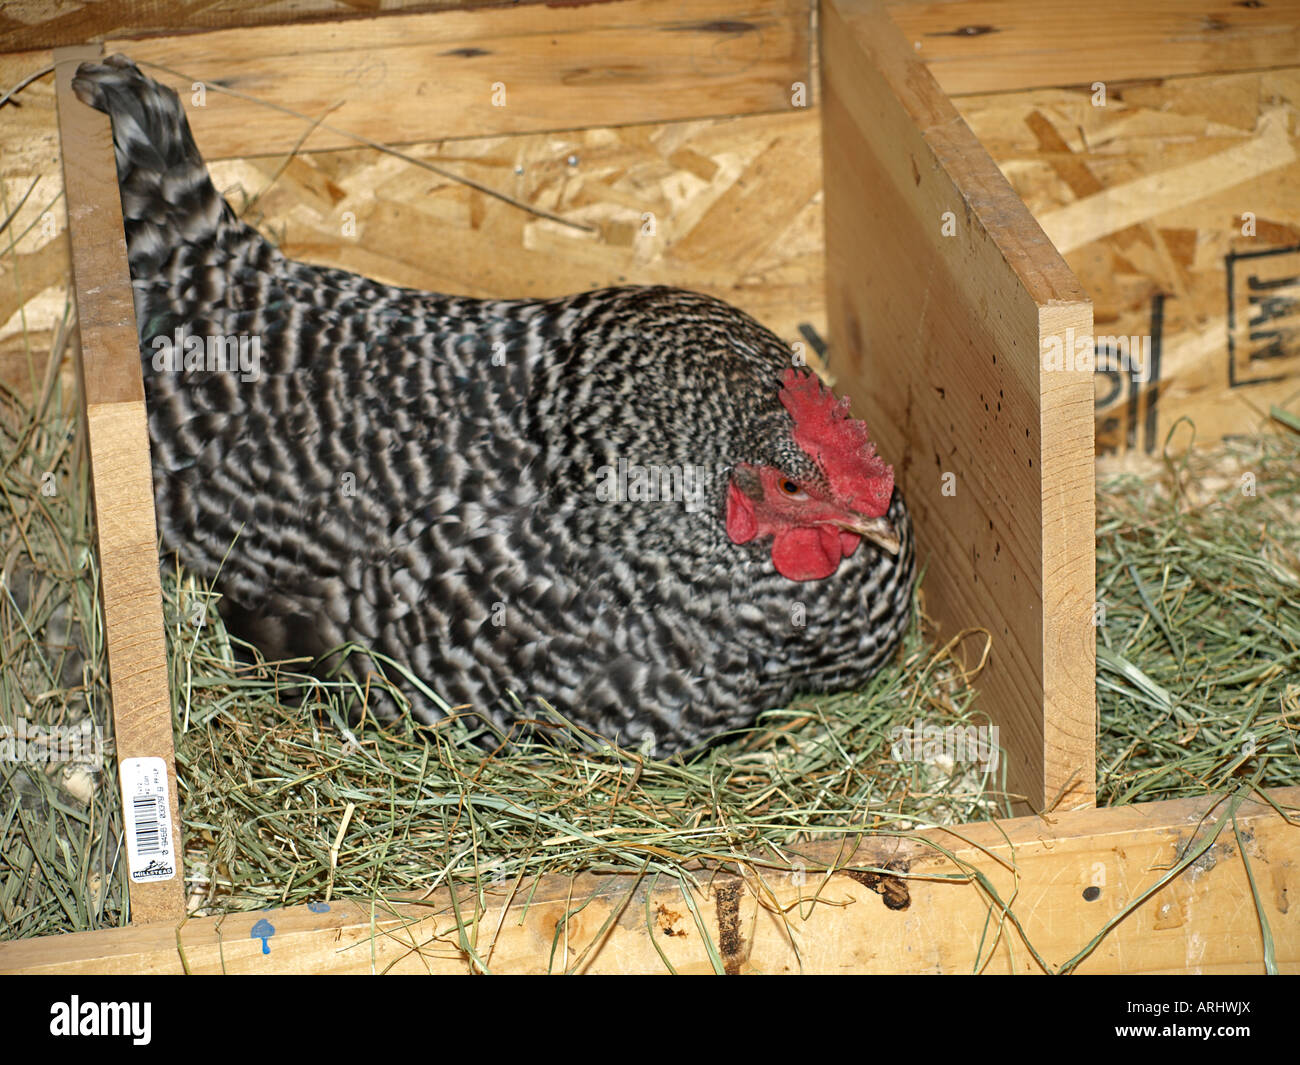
(1198,645)
(288,798)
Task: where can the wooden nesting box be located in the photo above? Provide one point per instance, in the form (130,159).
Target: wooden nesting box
(945,305)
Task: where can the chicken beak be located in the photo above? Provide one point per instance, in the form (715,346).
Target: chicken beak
(879,531)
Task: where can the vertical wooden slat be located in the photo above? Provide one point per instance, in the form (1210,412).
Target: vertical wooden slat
(113,404)
(941,292)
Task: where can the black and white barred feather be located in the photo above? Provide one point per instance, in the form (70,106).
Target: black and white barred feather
(419,473)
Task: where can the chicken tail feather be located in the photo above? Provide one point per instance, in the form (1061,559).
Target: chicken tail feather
(166,191)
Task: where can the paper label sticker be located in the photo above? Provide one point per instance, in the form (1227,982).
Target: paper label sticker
(147,811)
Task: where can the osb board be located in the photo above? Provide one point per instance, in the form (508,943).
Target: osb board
(726,206)
(35,272)
(1152,198)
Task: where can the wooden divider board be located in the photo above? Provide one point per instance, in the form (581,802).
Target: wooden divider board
(998,45)
(112,392)
(1065,877)
(41,24)
(941,291)
(405,78)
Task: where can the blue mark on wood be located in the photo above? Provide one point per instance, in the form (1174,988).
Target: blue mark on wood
(263,930)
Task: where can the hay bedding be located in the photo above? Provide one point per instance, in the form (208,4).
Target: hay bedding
(1198,590)
(289,801)
(1198,690)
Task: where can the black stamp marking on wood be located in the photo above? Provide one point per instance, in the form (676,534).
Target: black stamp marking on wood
(1263,315)
(1129,367)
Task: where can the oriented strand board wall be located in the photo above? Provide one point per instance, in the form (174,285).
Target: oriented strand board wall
(727,206)
(672,195)
(736,210)
(35,271)
(1177,205)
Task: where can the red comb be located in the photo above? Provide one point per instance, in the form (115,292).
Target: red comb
(839,444)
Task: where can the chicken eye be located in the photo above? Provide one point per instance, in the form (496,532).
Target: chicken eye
(792,489)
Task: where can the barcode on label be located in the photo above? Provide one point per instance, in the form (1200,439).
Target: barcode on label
(151,850)
(148,834)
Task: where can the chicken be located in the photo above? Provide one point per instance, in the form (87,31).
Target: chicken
(628,502)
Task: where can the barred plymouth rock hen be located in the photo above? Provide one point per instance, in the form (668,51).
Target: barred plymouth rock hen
(627,502)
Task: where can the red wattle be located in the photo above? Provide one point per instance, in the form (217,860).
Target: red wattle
(806,554)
